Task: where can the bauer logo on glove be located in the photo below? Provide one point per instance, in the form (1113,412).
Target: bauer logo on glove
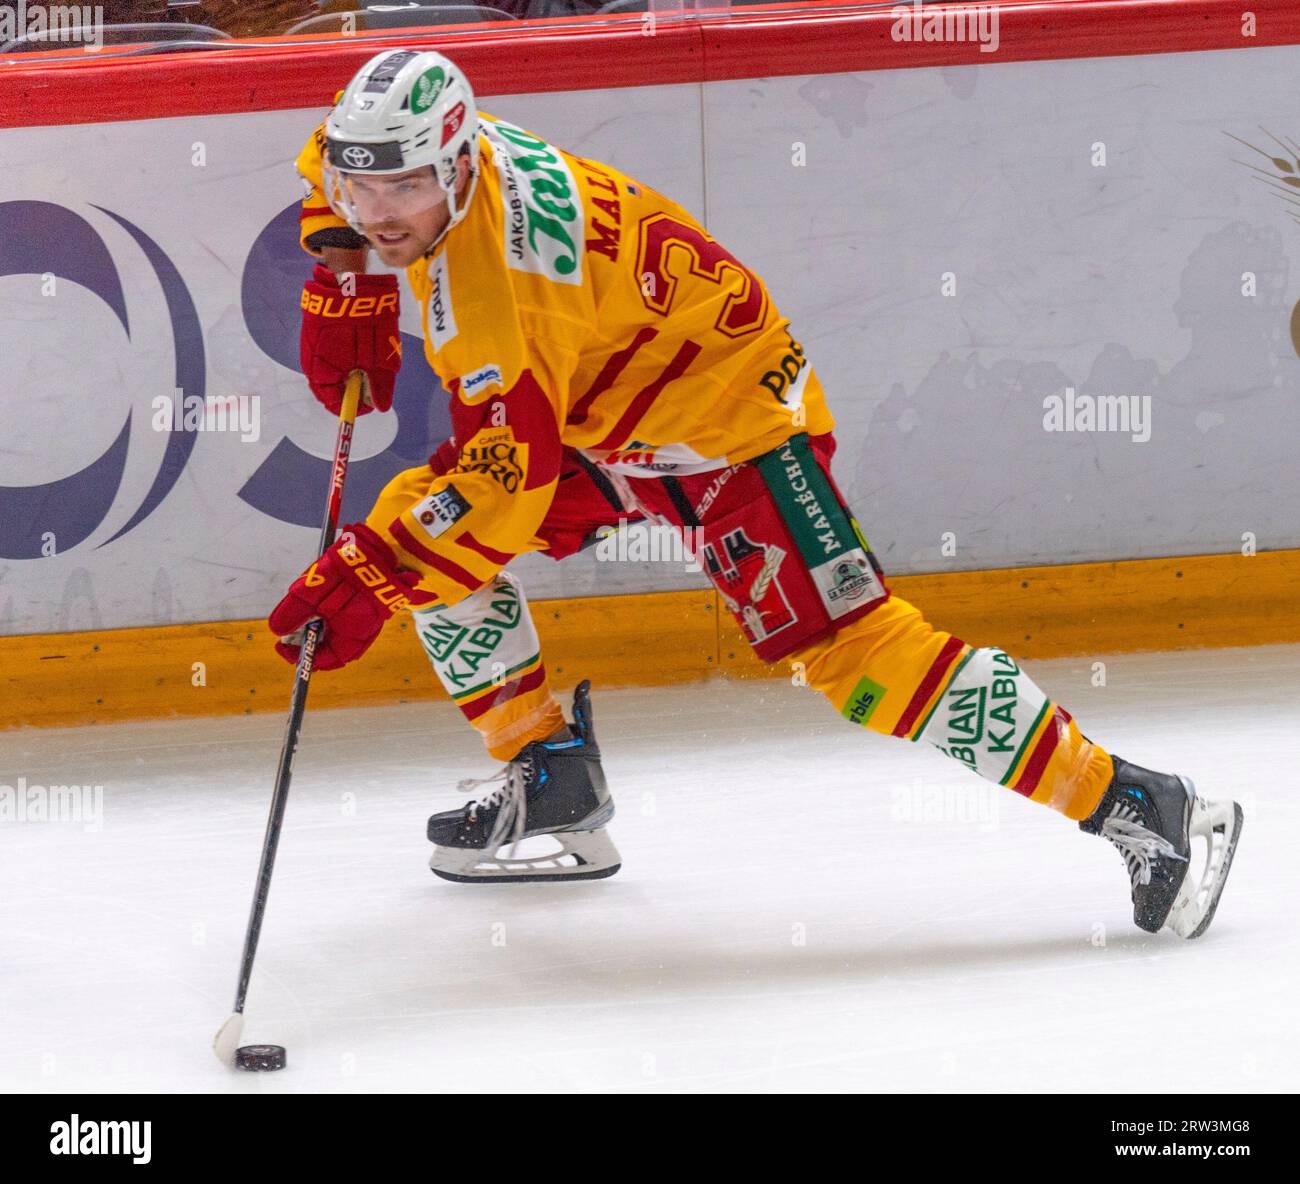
(353,326)
(355,587)
(326,305)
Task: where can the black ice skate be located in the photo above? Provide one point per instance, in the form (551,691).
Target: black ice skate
(554,788)
(1153,819)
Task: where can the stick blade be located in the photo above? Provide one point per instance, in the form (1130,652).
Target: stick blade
(226,1041)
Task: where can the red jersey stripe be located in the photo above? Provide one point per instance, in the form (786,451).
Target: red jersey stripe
(614,365)
(440,564)
(467,540)
(640,404)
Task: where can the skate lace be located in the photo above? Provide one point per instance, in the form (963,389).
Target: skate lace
(1138,845)
(508,799)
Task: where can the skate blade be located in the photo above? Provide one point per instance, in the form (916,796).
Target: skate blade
(583,855)
(1219,824)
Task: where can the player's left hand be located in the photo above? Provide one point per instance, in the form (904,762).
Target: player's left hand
(355,587)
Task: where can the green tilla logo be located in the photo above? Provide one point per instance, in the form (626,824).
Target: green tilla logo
(426,90)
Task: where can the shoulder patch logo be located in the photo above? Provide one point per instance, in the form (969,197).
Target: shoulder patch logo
(440,510)
(477,383)
(543,212)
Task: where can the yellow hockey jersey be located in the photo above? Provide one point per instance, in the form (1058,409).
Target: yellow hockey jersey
(573,306)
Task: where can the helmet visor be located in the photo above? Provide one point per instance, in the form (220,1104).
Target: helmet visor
(369,200)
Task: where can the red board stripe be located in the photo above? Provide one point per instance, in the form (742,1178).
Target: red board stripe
(952,649)
(533,57)
(308,72)
(1032,30)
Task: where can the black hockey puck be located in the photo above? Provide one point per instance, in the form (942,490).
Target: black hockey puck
(260,1058)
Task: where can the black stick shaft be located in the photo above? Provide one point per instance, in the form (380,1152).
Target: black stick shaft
(298,701)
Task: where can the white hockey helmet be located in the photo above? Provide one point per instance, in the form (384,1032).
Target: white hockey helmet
(403,109)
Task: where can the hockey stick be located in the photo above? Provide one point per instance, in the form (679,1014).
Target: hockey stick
(226,1042)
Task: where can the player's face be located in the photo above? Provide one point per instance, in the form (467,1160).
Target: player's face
(400,213)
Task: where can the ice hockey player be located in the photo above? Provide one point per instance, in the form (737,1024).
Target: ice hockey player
(606,360)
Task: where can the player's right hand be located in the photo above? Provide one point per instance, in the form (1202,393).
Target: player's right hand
(355,587)
(350,329)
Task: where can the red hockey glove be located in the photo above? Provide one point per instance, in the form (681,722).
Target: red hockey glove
(354,588)
(342,333)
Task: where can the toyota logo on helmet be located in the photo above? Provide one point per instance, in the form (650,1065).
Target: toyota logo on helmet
(358,157)
(379,156)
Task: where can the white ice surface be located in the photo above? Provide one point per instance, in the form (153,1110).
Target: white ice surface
(803,905)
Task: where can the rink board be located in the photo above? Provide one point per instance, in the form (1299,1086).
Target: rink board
(654,639)
(174,260)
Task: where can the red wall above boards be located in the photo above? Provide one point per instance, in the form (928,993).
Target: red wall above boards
(582,53)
